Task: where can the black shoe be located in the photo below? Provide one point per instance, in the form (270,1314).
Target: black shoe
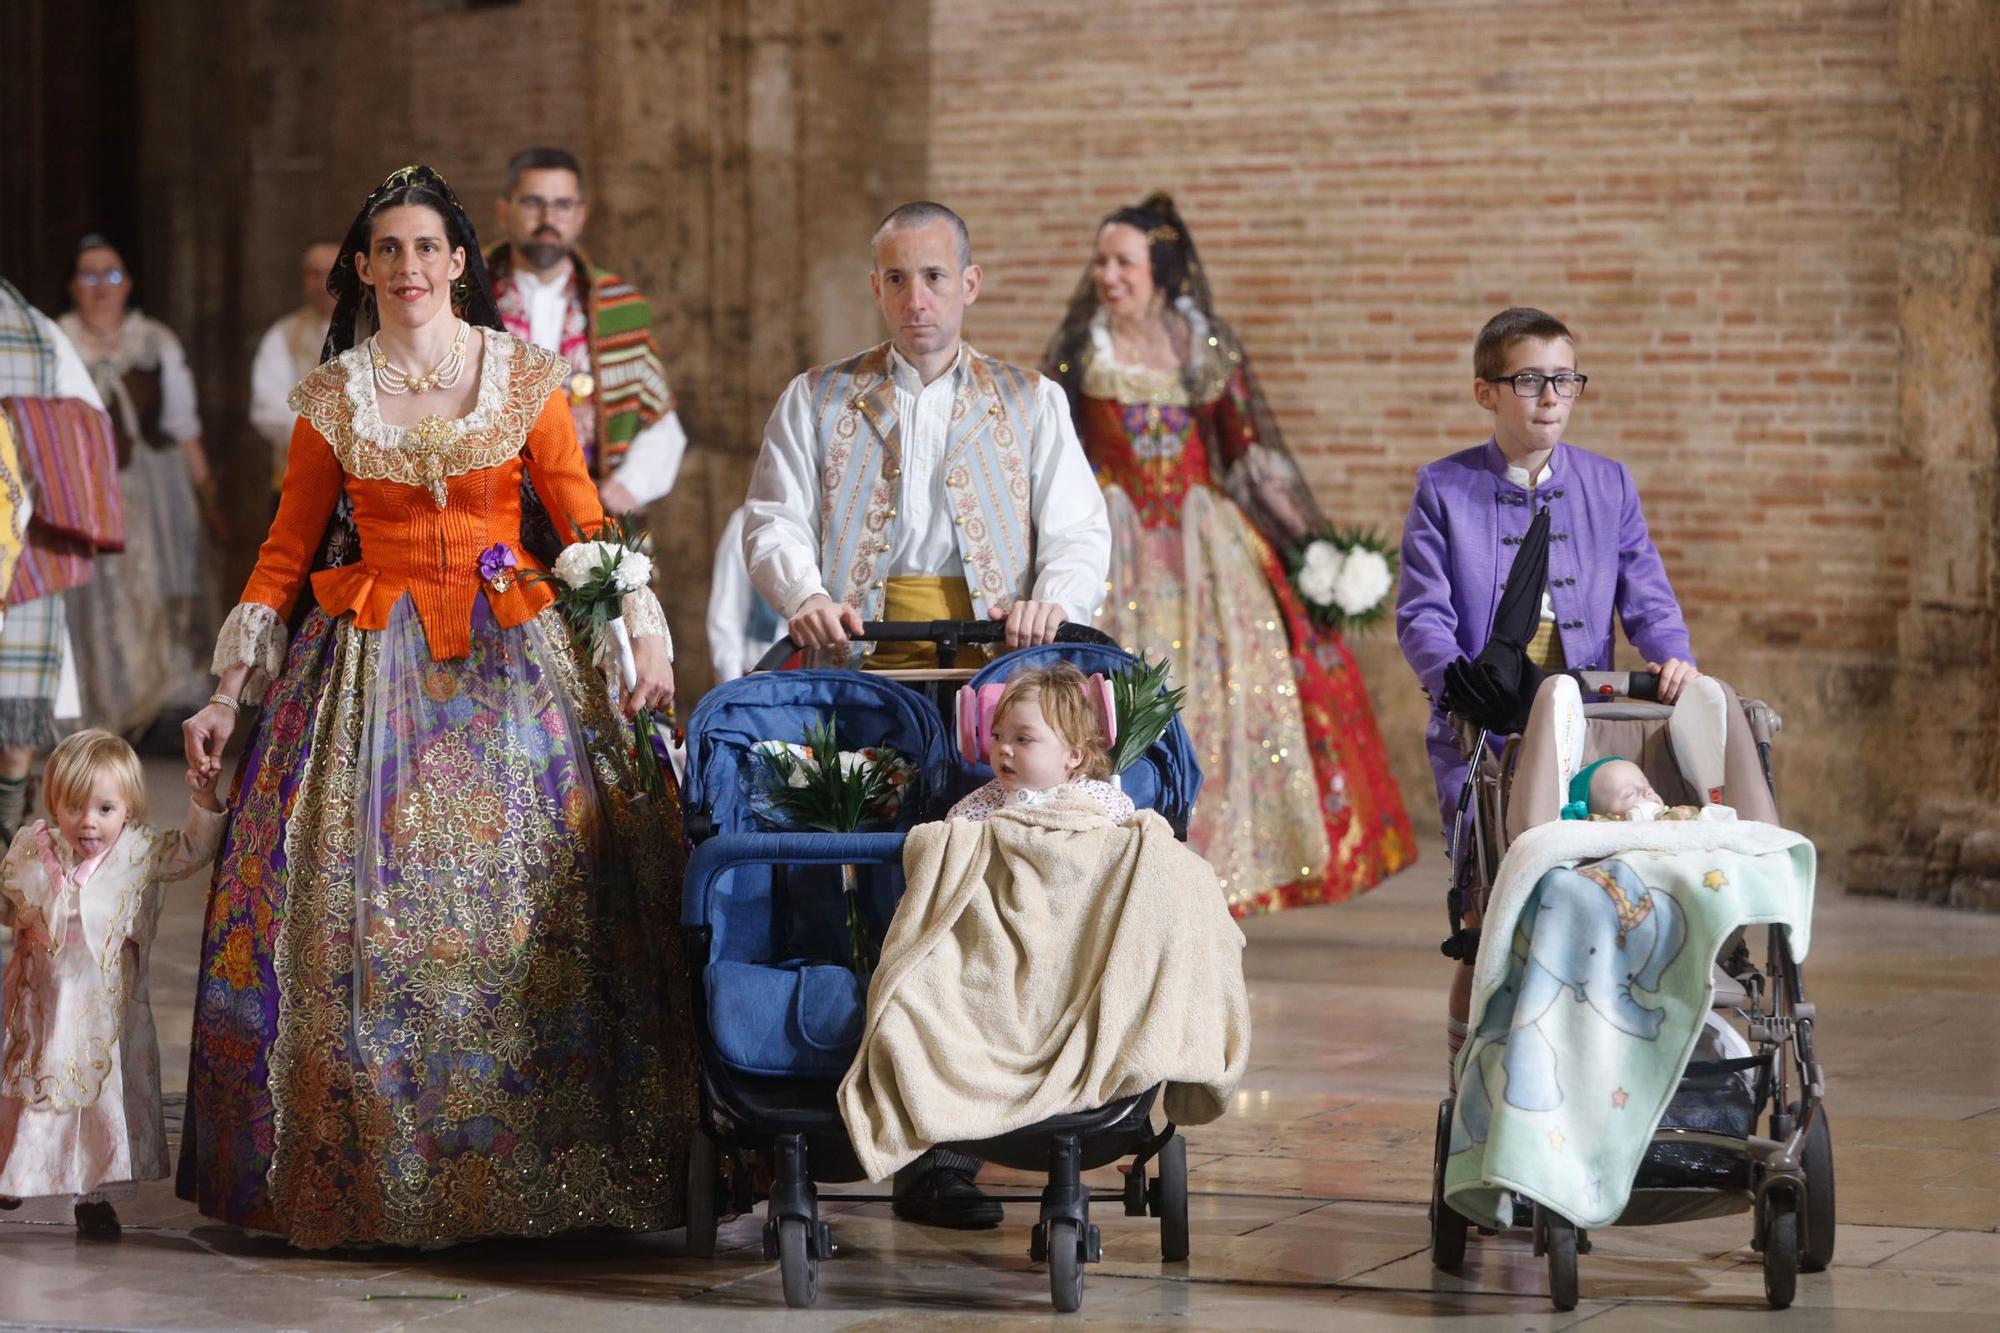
(96,1221)
(8,1203)
(947,1198)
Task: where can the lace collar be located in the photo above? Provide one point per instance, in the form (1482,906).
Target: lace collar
(516,380)
(1105,376)
(366,419)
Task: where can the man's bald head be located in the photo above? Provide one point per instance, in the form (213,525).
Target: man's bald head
(915,217)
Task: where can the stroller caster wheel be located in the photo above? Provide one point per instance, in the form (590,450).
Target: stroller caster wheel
(1555,1236)
(1448,1228)
(1066,1258)
(1781,1252)
(797,1265)
(1170,1201)
(703,1196)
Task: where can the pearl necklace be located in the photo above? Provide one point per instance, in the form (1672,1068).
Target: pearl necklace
(394,380)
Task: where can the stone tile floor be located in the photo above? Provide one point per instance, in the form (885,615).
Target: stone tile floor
(1308,1207)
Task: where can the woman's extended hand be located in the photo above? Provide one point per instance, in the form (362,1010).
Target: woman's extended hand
(655,685)
(203,736)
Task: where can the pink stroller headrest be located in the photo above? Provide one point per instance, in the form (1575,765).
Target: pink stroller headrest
(976,707)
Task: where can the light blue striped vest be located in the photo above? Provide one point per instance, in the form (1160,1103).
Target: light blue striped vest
(985,469)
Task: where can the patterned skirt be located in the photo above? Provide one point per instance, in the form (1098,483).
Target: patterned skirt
(441,995)
(1297,803)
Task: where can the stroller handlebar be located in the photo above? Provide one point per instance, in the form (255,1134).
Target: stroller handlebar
(1602,686)
(946,634)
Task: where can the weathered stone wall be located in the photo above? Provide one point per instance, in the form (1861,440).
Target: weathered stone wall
(1941,747)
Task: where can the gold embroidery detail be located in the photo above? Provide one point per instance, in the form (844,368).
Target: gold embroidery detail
(474,1008)
(512,393)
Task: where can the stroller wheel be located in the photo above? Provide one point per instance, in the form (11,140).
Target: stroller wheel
(1448,1228)
(1559,1240)
(1816,1248)
(1781,1250)
(796,1263)
(1171,1204)
(1065,1242)
(703,1175)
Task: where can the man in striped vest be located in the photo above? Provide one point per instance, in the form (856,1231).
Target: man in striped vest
(921,480)
(551,295)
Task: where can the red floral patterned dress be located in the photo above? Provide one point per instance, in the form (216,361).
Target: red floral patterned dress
(1297,804)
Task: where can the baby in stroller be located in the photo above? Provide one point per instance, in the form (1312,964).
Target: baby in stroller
(1594,1110)
(1041,929)
(1616,788)
(1047,732)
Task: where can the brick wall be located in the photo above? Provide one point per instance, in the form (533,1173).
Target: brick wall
(1706,191)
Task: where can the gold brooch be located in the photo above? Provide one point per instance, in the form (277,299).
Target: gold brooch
(429,441)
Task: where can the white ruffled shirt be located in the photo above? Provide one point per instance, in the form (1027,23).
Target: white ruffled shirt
(781,531)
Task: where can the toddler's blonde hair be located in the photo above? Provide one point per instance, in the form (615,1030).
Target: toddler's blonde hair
(75,764)
(1063,694)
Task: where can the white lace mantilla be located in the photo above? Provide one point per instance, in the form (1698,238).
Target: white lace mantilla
(255,637)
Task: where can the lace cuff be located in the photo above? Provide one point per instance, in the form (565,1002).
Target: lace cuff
(643,616)
(252,636)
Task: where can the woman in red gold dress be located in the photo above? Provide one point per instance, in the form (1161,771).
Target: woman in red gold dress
(1297,805)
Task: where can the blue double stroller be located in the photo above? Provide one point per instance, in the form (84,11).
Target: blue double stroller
(780,1013)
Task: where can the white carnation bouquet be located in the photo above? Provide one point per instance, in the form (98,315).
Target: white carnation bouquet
(592,577)
(1345,578)
(821,786)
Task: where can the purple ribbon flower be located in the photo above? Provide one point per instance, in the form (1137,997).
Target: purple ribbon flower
(497,565)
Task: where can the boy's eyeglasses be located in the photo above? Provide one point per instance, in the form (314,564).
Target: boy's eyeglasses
(110,277)
(1528,384)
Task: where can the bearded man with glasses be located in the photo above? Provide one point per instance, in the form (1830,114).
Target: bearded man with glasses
(551,295)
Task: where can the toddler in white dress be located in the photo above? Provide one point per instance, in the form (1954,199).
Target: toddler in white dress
(80,1075)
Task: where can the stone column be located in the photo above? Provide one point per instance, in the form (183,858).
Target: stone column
(1944,727)
(736,156)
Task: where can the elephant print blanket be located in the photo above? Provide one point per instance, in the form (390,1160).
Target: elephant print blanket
(1594,976)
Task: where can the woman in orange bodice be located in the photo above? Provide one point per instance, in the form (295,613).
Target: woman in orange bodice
(434,1000)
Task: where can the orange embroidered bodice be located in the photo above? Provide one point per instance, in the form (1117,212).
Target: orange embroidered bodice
(427,499)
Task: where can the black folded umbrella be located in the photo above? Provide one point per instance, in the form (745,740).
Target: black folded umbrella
(1497,688)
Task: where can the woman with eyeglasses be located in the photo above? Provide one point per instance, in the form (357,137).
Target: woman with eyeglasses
(1297,803)
(137,626)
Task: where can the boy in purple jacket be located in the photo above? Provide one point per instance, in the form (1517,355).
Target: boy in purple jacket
(1466,522)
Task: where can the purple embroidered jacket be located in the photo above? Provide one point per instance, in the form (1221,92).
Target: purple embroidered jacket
(1466,522)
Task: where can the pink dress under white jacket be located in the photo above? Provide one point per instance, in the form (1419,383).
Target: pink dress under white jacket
(80,1075)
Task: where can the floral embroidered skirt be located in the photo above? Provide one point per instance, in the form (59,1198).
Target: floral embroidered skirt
(1297,803)
(441,994)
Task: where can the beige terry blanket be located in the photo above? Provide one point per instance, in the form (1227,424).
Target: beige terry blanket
(1042,962)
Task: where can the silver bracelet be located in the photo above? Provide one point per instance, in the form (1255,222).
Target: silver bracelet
(220,698)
